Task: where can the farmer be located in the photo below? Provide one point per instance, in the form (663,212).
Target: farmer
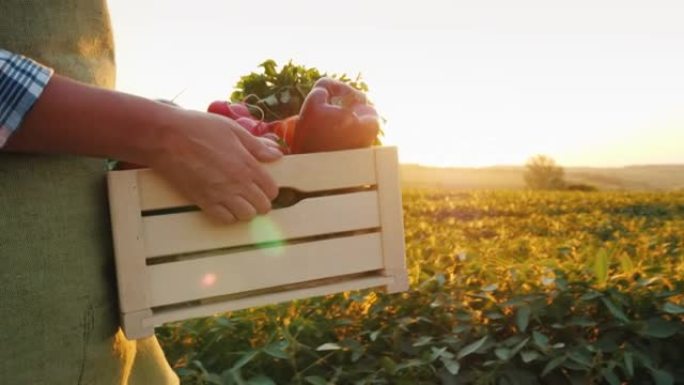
(58,118)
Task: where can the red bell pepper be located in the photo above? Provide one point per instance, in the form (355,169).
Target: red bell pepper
(334,116)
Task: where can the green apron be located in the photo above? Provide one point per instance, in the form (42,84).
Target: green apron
(58,307)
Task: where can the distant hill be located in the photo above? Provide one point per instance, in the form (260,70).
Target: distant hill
(656,177)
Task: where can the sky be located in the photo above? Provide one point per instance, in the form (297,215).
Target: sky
(461,83)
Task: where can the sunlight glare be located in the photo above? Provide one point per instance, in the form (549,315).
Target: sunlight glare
(460,84)
(209,279)
(262,227)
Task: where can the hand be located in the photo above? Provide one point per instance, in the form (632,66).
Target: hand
(215,163)
(334,116)
(211,159)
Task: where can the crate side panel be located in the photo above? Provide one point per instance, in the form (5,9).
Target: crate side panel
(127,236)
(183,281)
(391,217)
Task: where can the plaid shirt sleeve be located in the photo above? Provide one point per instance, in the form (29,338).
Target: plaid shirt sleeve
(22,80)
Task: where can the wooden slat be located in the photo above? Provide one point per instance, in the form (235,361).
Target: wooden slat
(391,217)
(332,170)
(132,324)
(188,280)
(157,193)
(127,235)
(193,231)
(264,299)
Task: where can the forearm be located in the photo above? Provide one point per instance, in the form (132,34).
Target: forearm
(74,118)
(207,157)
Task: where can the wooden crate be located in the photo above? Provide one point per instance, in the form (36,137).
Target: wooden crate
(173,263)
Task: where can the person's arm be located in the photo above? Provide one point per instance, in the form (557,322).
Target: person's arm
(211,159)
(21,82)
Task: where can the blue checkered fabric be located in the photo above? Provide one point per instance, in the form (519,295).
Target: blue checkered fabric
(22,80)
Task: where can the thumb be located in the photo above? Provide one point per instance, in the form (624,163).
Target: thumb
(258,148)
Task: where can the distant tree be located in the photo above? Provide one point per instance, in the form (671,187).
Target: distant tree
(542,173)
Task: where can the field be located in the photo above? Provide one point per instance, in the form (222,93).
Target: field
(507,288)
(631,178)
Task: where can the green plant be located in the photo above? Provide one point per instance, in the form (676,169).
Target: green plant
(557,288)
(280,93)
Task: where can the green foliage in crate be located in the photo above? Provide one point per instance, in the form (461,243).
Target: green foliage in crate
(279,93)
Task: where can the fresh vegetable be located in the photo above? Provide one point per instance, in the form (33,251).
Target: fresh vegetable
(230,110)
(241,114)
(280,90)
(335,116)
(285,129)
(252,125)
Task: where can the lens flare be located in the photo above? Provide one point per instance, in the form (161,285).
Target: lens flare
(209,279)
(266,234)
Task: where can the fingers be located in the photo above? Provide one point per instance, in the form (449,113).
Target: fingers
(244,191)
(261,178)
(258,199)
(219,213)
(240,207)
(265,183)
(237,208)
(270,140)
(260,149)
(337,88)
(249,204)
(229,206)
(216,164)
